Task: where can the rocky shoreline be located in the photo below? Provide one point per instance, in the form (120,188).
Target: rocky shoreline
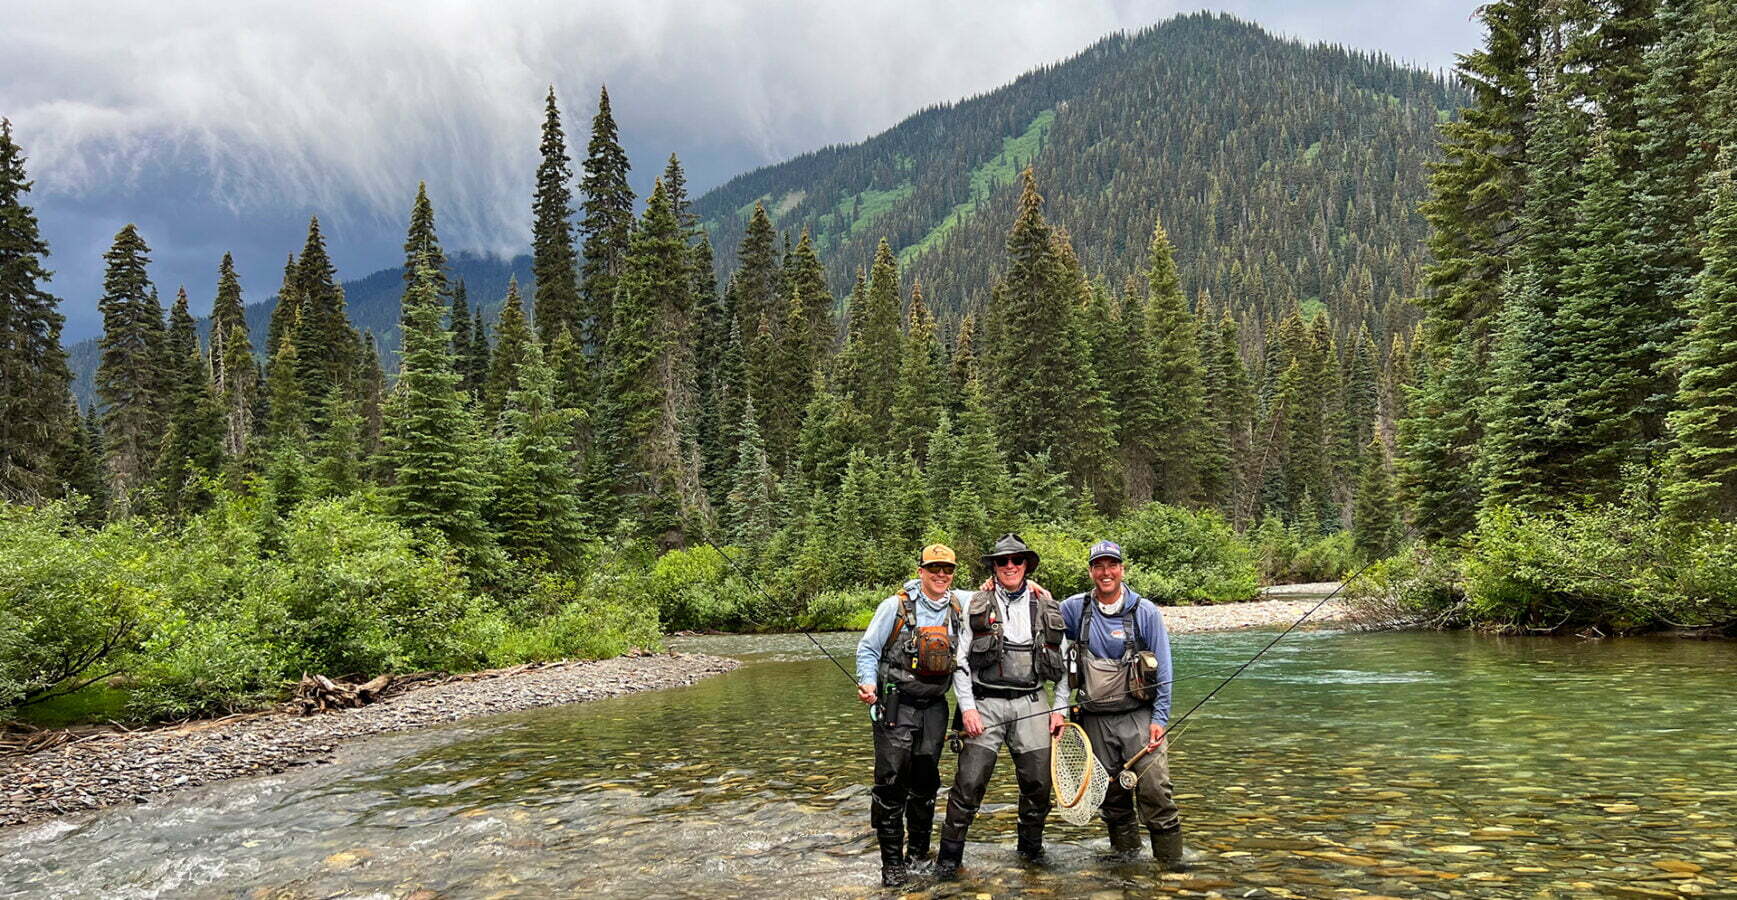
(110,769)
(1275,609)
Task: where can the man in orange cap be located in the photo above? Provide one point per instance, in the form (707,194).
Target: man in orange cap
(904,665)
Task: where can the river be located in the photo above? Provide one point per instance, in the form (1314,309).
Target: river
(1399,764)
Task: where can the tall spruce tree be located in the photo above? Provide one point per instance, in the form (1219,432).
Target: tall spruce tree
(192,447)
(1375,521)
(327,346)
(1701,471)
(534,507)
(1514,454)
(749,508)
(234,371)
(284,311)
(919,394)
(459,323)
(875,348)
(34,377)
(608,221)
(432,446)
(422,243)
(554,262)
(1039,358)
(759,293)
(129,380)
(1177,430)
(371,407)
(512,334)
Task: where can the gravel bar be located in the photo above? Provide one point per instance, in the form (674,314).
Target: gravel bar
(121,768)
(1269,613)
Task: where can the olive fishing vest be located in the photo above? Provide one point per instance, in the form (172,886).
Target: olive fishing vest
(1112,684)
(1009,665)
(919,660)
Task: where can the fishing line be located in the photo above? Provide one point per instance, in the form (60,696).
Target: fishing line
(1240,667)
(769,598)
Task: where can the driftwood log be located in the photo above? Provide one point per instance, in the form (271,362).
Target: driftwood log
(317,693)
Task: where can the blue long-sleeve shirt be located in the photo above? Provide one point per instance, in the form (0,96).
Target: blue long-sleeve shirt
(929,612)
(1106,639)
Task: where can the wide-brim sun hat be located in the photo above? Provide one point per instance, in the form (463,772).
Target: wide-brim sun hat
(1011,544)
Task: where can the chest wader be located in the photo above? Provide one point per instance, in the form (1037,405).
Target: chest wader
(1007,676)
(916,668)
(1114,706)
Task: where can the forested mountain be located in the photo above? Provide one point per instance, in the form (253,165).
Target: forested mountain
(372,304)
(1279,170)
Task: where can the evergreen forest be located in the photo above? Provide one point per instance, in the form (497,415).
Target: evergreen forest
(1261,312)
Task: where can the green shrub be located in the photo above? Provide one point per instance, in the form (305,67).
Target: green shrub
(1062,570)
(359,595)
(1183,556)
(585,626)
(1423,584)
(1293,555)
(697,588)
(848,610)
(74,603)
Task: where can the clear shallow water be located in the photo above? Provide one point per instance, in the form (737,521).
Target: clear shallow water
(1392,764)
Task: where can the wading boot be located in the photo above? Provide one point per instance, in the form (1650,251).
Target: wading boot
(948,859)
(1124,841)
(1030,845)
(1167,848)
(893,871)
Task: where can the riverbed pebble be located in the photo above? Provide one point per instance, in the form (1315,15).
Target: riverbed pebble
(124,768)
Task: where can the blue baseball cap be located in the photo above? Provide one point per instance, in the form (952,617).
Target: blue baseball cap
(1102,549)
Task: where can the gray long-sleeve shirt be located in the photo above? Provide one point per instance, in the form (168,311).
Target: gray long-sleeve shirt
(1015,616)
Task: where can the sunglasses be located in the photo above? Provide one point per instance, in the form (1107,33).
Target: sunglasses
(1000,561)
(940,569)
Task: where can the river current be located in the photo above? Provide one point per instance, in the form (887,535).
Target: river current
(1341,764)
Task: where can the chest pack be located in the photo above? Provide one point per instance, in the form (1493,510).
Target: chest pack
(1000,663)
(1113,684)
(921,658)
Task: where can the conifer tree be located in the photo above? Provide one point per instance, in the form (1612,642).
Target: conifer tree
(804,273)
(759,294)
(192,447)
(327,346)
(554,262)
(1232,405)
(962,362)
(81,464)
(371,407)
(512,334)
(1672,157)
(922,375)
(234,371)
(1515,450)
(749,507)
(797,363)
(608,220)
(284,311)
(432,443)
(869,371)
(534,507)
(336,455)
(422,243)
(287,424)
(34,377)
(649,386)
(1375,521)
(460,325)
(129,377)
(1438,473)
(1040,360)
(675,184)
(1701,471)
(1612,384)
(1176,431)
(476,367)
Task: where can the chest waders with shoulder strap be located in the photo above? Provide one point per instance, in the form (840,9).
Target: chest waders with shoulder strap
(917,661)
(1117,685)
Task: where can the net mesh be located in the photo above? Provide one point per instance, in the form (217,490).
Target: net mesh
(1079,781)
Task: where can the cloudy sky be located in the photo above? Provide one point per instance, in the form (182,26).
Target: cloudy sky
(221,125)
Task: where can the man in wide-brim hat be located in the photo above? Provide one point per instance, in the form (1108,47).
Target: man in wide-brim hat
(1010,646)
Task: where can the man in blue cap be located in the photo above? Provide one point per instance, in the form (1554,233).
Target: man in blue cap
(1121,676)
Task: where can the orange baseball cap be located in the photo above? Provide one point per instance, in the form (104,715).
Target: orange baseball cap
(937,553)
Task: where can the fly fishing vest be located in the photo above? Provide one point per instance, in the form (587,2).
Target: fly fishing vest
(1113,684)
(1008,667)
(919,659)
